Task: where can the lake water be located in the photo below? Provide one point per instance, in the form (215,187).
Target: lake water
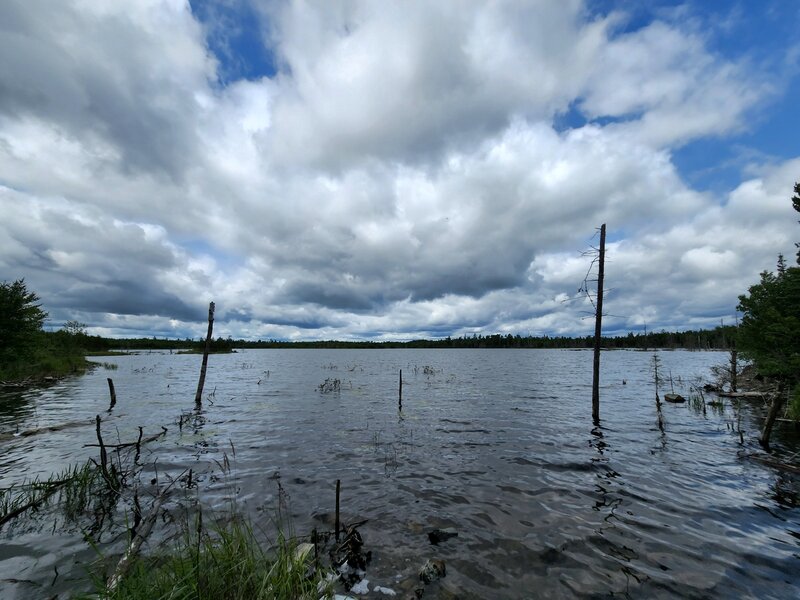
(497,444)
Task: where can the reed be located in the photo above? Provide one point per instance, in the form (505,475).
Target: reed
(229,560)
(76,487)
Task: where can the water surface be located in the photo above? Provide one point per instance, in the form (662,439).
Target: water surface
(495,443)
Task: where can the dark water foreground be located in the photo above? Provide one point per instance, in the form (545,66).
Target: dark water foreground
(497,444)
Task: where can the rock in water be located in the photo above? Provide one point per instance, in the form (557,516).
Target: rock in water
(442,535)
(432,570)
(674,398)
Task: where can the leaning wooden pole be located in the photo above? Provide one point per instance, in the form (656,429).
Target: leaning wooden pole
(198,397)
(598,327)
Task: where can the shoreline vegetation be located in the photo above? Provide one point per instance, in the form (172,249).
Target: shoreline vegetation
(53,355)
(719,338)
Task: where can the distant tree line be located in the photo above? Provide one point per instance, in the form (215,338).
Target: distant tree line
(719,338)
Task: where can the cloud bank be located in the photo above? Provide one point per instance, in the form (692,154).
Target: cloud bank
(400,169)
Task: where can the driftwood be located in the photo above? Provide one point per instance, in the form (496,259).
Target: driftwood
(771,462)
(741,394)
(137,443)
(135,545)
(38,430)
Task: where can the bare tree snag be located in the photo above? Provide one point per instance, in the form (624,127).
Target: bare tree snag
(598,327)
(112,393)
(198,397)
(400,392)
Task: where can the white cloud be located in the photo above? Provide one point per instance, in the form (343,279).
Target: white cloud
(670,88)
(400,174)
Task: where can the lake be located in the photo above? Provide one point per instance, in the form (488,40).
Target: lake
(497,444)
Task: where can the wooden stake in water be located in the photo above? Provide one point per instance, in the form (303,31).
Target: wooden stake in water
(336,524)
(400,391)
(103,453)
(598,327)
(198,397)
(112,393)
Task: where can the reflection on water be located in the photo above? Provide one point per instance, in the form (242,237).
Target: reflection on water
(656,502)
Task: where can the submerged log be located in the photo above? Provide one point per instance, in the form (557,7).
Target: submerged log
(771,462)
(741,394)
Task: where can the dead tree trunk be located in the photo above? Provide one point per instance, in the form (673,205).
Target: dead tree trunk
(734,368)
(400,392)
(112,393)
(198,397)
(598,327)
(774,409)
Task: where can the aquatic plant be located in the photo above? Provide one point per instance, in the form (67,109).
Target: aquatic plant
(330,385)
(74,488)
(228,560)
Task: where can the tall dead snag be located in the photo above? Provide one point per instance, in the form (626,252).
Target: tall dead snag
(198,397)
(598,327)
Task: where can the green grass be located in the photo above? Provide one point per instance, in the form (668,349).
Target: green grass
(75,488)
(45,361)
(228,561)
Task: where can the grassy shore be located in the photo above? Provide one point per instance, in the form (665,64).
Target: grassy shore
(42,363)
(227,561)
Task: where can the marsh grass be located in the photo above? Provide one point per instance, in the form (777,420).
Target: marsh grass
(75,489)
(229,560)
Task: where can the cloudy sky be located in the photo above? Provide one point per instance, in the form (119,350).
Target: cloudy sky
(394,169)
